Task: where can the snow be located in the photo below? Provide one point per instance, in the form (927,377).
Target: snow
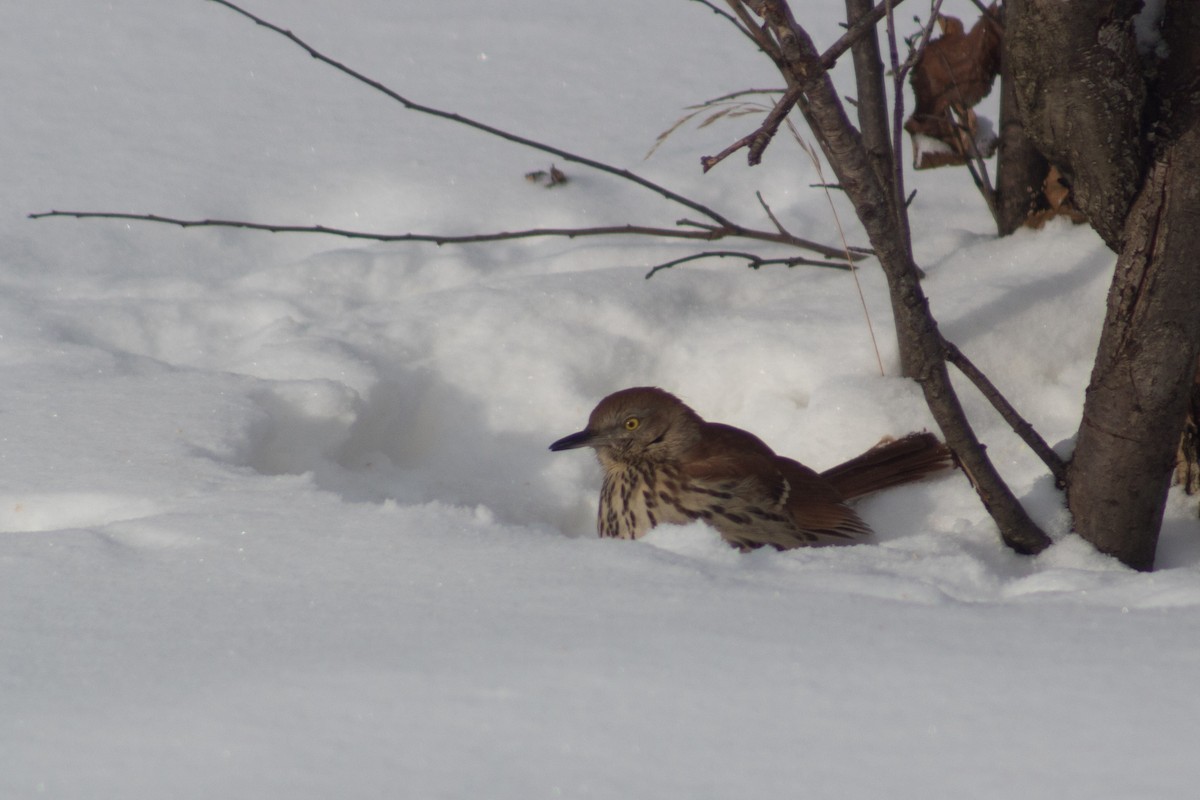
(277,517)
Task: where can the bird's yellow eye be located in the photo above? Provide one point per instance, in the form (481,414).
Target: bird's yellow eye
(632,423)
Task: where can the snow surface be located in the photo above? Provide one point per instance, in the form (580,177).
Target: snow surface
(277,517)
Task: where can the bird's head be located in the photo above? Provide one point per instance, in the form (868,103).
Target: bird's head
(638,424)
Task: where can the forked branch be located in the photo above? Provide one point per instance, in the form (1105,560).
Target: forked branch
(922,349)
(758,140)
(753,261)
(727,16)
(861,27)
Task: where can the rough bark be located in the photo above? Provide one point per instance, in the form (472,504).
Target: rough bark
(1078,82)
(1137,401)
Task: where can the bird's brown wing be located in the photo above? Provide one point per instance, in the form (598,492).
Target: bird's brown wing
(755,498)
(818,508)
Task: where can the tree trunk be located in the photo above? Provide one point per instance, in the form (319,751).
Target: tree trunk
(1137,402)
(873,111)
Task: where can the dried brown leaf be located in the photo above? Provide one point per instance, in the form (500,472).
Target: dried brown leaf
(951,75)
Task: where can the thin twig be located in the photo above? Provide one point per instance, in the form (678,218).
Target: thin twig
(897,187)
(691,223)
(973,159)
(865,24)
(899,72)
(922,38)
(435,238)
(726,15)
(753,261)
(771,215)
(459,118)
(760,35)
(1019,424)
(706,233)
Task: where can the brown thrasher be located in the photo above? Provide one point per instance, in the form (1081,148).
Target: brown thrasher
(664,464)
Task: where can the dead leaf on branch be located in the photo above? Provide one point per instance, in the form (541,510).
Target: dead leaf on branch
(952,74)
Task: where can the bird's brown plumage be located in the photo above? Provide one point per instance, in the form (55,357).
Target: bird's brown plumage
(664,464)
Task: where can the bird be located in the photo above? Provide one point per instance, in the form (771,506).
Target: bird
(664,464)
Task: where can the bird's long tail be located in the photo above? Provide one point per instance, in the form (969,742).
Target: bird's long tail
(890,463)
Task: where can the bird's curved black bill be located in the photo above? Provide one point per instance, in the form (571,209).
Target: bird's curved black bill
(581,439)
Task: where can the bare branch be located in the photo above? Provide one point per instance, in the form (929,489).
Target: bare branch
(856,31)
(757,141)
(977,166)
(1020,426)
(720,227)
(727,106)
(759,33)
(899,72)
(922,354)
(922,39)
(435,238)
(703,232)
(691,223)
(872,109)
(471,123)
(752,261)
(771,214)
(734,21)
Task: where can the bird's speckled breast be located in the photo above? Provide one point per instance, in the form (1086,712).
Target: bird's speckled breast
(636,497)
